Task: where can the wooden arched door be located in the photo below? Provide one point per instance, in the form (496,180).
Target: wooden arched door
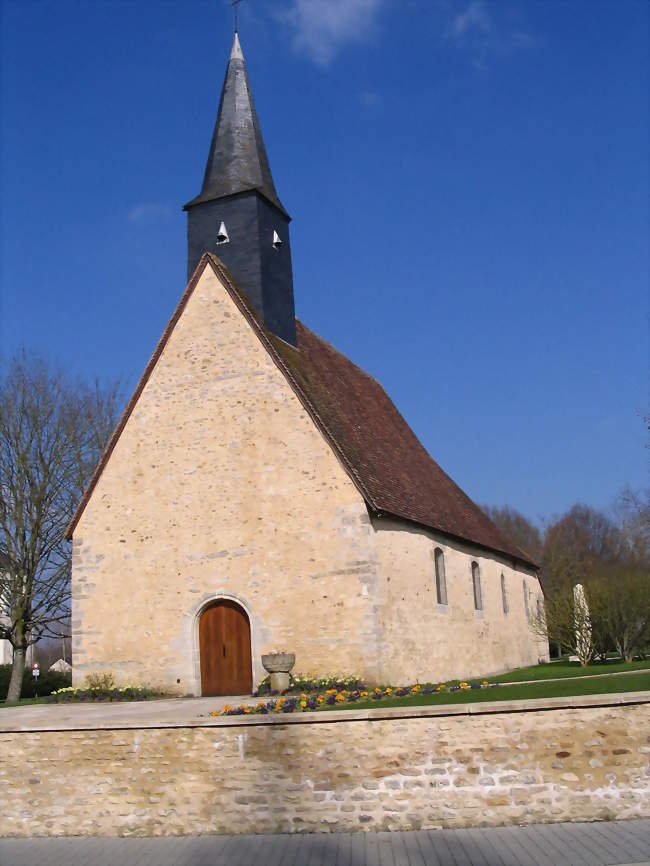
(225,648)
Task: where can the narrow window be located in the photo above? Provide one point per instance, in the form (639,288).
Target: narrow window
(476,582)
(526,600)
(504,594)
(540,609)
(441,580)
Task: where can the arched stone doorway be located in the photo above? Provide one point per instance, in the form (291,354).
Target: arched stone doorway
(225,649)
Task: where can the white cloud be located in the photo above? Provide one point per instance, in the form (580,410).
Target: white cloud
(475,18)
(323,27)
(147,211)
(483,29)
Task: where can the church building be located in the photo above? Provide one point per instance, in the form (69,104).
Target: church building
(261,492)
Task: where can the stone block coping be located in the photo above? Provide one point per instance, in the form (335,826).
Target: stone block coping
(194,713)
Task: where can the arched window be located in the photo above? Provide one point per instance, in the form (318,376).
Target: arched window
(476,583)
(504,594)
(526,599)
(441,579)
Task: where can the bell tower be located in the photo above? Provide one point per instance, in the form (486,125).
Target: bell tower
(238,215)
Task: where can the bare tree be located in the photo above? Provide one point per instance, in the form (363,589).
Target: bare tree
(621,605)
(578,545)
(517,527)
(566,618)
(632,512)
(52,432)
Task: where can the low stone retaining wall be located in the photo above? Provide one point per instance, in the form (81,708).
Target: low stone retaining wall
(480,765)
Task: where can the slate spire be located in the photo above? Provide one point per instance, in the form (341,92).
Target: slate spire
(238,214)
(237,161)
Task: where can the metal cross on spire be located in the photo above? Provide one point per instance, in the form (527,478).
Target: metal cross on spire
(235,6)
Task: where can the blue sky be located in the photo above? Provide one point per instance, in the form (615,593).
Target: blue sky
(469,188)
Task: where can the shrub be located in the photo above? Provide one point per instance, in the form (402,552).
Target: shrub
(48,682)
(96,682)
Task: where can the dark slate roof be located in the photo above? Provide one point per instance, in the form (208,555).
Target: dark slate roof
(383,457)
(237,161)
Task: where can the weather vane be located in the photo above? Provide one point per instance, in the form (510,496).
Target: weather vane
(235,6)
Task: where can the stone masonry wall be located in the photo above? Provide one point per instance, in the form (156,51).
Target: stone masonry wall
(426,641)
(269,775)
(221,486)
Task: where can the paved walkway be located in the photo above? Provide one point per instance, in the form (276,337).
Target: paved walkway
(195,712)
(600,844)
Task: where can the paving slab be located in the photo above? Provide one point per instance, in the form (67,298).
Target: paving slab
(556,844)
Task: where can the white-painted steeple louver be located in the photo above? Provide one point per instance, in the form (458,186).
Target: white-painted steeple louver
(222,234)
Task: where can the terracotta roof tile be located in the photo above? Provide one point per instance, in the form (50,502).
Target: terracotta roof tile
(395,473)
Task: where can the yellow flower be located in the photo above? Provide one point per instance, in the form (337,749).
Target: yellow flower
(464,686)
(226,708)
(416,688)
(320,699)
(215,713)
(340,697)
(438,688)
(303,704)
(248,710)
(389,691)
(330,692)
(363,694)
(485,683)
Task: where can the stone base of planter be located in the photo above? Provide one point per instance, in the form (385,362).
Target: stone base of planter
(279,682)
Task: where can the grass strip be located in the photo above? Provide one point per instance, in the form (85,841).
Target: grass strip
(554,670)
(563,689)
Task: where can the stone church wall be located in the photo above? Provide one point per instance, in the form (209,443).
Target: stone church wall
(423,640)
(221,485)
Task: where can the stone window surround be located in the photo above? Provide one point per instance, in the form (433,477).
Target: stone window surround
(440,577)
(476,587)
(504,595)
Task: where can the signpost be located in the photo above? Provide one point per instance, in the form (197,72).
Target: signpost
(36,672)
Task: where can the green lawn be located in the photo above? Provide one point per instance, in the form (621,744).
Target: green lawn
(23,702)
(598,686)
(565,668)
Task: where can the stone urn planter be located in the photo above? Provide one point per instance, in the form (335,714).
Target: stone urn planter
(279,665)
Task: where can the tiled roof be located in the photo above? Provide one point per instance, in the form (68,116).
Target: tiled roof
(390,467)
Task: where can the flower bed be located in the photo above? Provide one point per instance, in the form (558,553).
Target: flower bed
(333,697)
(299,684)
(115,693)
